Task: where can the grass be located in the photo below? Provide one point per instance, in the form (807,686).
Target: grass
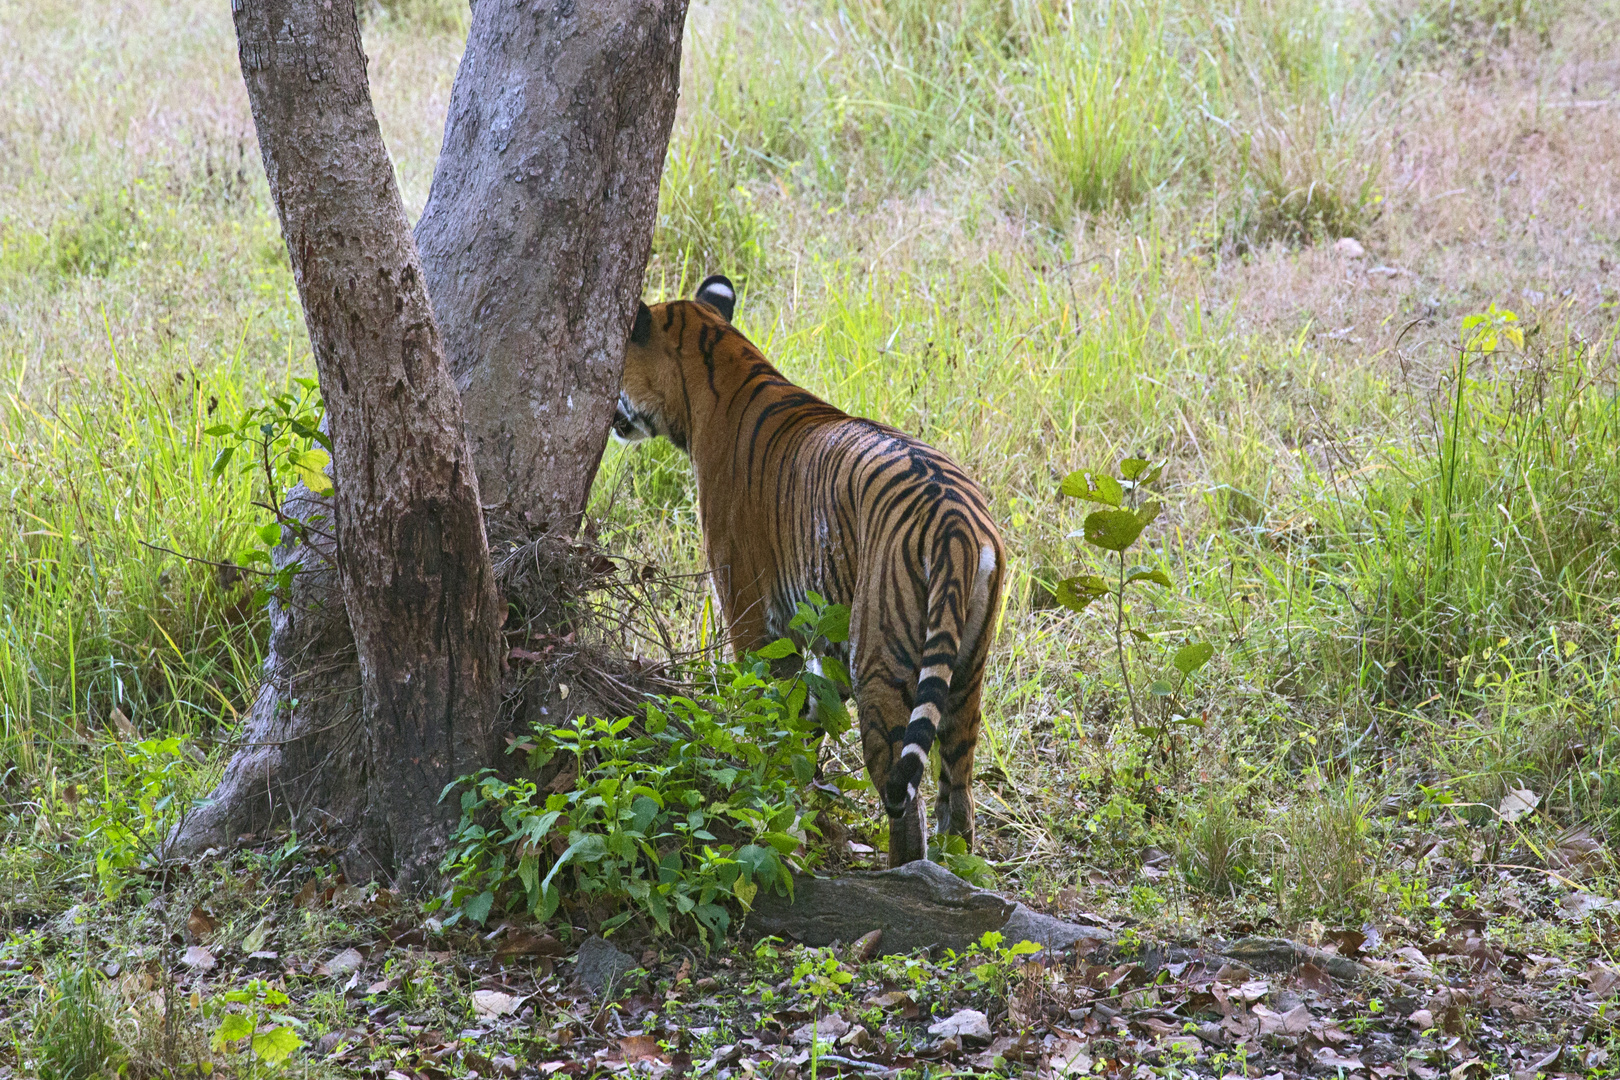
(1043,237)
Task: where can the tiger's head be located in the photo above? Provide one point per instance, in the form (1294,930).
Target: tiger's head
(653,395)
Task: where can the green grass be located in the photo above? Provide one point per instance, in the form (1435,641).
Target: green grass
(1042,238)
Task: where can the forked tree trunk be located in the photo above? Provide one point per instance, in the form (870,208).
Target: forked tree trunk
(533,246)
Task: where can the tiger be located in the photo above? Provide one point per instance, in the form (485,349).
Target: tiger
(795,497)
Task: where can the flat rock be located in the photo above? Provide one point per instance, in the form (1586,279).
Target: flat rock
(1025,924)
(917,906)
(601,965)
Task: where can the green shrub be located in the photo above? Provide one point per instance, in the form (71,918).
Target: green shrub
(675,816)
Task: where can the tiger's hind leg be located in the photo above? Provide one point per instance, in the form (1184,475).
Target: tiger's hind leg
(958,739)
(881,708)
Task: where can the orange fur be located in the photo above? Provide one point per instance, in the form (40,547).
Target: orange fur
(795,497)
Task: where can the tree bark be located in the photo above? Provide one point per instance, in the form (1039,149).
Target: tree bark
(533,245)
(537,231)
(412,559)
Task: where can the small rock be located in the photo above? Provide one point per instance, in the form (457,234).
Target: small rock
(600,965)
(963,1024)
(1350,247)
(344,962)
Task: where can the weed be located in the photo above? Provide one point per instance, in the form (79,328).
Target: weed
(262,1033)
(73,1039)
(695,806)
(1102,119)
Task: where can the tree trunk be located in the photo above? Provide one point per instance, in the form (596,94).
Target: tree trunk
(533,245)
(536,235)
(412,560)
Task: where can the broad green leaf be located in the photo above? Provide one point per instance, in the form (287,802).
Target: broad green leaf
(1189,658)
(218,429)
(777,649)
(1148,514)
(270,534)
(276,1045)
(1113,530)
(1132,468)
(234,1026)
(1138,635)
(1158,577)
(834,624)
(1077,592)
(309,465)
(222,459)
(1093,486)
(477,909)
(1160,688)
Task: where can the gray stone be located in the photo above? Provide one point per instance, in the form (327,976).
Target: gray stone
(601,965)
(963,1024)
(917,906)
(1027,925)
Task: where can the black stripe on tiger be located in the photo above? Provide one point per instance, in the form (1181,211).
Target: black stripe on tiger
(795,496)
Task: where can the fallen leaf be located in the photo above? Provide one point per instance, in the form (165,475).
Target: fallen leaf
(1312,977)
(199,923)
(1347,942)
(1253,991)
(1580,904)
(636,1047)
(305,897)
(256,937)
(1069,1058)
(1295,1021)
(1331,1059)
(827,1029)
(493,1003)
(1516,804)
(199,959)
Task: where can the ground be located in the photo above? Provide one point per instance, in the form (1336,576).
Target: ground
(1348,270)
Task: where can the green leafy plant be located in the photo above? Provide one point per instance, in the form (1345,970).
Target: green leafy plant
(820,975)
(696,806)
(281,443)
(263,1035)
(1113,531)
(993,964)
(138,812)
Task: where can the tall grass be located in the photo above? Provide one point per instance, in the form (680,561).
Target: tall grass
(1104,122)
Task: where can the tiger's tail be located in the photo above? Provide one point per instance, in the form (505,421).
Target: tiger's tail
(958,616)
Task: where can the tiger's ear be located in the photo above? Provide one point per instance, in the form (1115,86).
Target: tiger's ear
(718,292)
(641,329)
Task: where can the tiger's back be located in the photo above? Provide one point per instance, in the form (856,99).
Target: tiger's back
(797,497)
